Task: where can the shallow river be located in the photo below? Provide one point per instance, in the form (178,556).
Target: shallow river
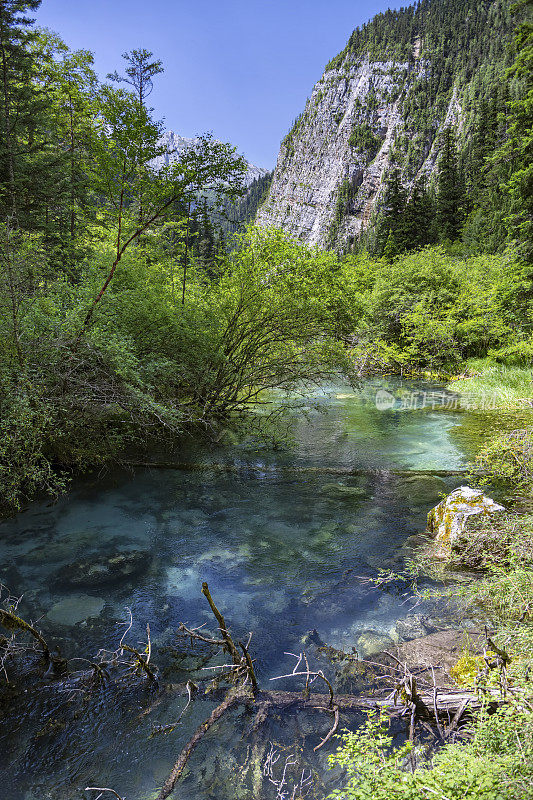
(284,539)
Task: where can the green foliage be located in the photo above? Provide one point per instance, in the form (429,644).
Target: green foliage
(508,460)
(490,767)
(364,140)
(463,50)
(495,759)
(518,149)
(438,309)
(505,384)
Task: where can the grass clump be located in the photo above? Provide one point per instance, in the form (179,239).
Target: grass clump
(496,385)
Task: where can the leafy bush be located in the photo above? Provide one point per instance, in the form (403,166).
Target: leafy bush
(496,765)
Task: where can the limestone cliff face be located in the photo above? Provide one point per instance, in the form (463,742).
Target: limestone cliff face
(331,165)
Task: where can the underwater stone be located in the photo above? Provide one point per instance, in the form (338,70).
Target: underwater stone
(312,637)
(341,492)
(370,642)
(102,570)
(413,626)
(72,610)
(448,519)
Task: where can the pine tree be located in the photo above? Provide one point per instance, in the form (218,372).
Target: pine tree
(450,191)
(20,108)
(518,151)
(391,226)
(419,217)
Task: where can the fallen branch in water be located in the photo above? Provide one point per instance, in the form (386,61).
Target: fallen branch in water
(333,730)
(403,700)
(111,791)
(168,786)
(309,675)
(14,624)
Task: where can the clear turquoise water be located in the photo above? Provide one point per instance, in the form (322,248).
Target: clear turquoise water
(282,548)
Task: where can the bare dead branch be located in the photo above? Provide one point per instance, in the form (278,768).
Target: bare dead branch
(110,791)
(332,731)
(200,732)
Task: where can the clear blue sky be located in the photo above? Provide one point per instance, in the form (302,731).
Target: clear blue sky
(239,68)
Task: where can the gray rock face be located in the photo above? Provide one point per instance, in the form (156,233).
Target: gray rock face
(176,144)
(345,140)
(95,572)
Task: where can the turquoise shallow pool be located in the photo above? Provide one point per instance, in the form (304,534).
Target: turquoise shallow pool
(282,537)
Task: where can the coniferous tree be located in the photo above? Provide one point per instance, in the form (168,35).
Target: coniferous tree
(20,108)
(450,191)
(391,234)
(140,71)
(518,150)
(419,217)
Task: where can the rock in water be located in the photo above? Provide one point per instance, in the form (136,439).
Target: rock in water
(99,571)
(370,642)
(339,491)
(449,518)
(75,609)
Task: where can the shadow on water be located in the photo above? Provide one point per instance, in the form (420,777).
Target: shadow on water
(283,539)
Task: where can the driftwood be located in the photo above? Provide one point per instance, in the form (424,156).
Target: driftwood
(200,732)
(405,700)
(12,622)
(229,643)
(104,791)
(186,466)
(447,703)
(262,702)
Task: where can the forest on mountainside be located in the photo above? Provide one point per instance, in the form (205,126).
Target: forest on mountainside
(469,47)
(125,317)
(417,116)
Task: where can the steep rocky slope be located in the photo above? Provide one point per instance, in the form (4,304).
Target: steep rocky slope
(383,101)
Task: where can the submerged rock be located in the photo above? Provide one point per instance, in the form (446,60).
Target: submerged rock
(413,626)
(99,571)
(416,490)
(72,610)
(312,637)
(339,491)
(449,518)
(371,642)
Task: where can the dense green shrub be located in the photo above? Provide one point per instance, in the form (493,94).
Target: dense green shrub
(364,140)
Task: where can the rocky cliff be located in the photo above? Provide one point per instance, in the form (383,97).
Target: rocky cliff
(383,101)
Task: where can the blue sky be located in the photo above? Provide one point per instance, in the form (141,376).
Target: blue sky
(239,68)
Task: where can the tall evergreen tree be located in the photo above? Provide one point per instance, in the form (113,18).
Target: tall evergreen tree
(390,234)
(19,108)
(518,150)
(450,190)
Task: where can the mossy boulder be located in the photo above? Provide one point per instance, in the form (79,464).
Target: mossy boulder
(448,520)
(100,571)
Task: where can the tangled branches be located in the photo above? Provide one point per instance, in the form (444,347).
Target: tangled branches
(285,788)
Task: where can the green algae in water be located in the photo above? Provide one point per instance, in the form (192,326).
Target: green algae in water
(475,428)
